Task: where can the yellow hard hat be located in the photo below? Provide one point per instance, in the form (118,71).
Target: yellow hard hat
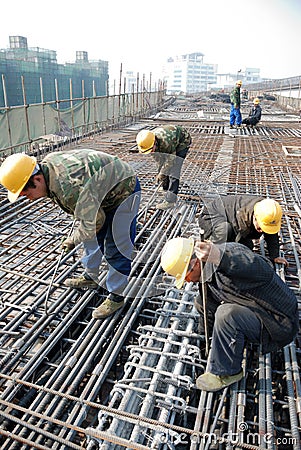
(145,140)
(15,171)
(175,258)
(268,214)
(239,82)
(256,101)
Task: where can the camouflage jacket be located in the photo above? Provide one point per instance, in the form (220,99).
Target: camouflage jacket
(235,97)
(171,140)
(87,183)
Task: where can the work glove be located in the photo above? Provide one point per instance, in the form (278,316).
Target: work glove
(67,244)
(160,178)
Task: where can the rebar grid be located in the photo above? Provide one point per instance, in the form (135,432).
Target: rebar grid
(144,360)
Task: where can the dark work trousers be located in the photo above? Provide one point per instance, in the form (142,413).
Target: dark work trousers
(174,176)
(234,325)
(250,121)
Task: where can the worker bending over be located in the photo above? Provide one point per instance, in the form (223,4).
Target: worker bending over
(242,218)
(102,192)
(246,301)
(169,146)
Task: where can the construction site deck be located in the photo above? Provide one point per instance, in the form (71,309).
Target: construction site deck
(68,381)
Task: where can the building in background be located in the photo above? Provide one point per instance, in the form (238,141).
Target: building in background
(132,82)
(227,80)
(251,75)
(188,74)
(35,71)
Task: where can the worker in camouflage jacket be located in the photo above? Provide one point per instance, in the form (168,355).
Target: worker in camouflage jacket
(169,146)
(246,301)
(102,192)
(243,218)
(235,114)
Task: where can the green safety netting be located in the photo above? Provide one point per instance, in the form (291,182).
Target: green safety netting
(22,125)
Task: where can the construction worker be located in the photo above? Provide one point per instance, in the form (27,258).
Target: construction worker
(235,114)
(246,298)
(169,145)
(254,114)
(242,218)
(102,192)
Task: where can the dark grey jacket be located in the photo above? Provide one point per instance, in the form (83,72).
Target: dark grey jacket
(248,279)
(255,113)
(237,211)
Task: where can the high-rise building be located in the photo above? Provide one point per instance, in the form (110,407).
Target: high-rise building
(34,73)
(189,74)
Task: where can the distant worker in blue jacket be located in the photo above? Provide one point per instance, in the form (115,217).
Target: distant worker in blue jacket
(254,114)
(235,114)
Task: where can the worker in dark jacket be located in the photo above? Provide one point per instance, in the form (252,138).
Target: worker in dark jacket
(235,114)
(169,146)
(254,114)
(246,298)
(242,218)
(102,192)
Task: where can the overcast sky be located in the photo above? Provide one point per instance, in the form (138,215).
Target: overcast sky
(141,35)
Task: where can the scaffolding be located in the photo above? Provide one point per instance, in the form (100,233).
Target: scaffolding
(33,127)
(24,67)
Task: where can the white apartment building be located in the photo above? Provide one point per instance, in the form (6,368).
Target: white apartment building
(189,74)
(227,80)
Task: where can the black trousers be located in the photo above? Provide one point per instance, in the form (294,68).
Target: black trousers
(250,121)
(172,179)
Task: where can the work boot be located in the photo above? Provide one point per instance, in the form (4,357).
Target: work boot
(108,307)
(83,281)
(232,126)
(212,383)
(165,205)
(239,127)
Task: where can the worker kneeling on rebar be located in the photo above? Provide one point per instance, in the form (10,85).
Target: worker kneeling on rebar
(246,301)
(254,114)
(102,192)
